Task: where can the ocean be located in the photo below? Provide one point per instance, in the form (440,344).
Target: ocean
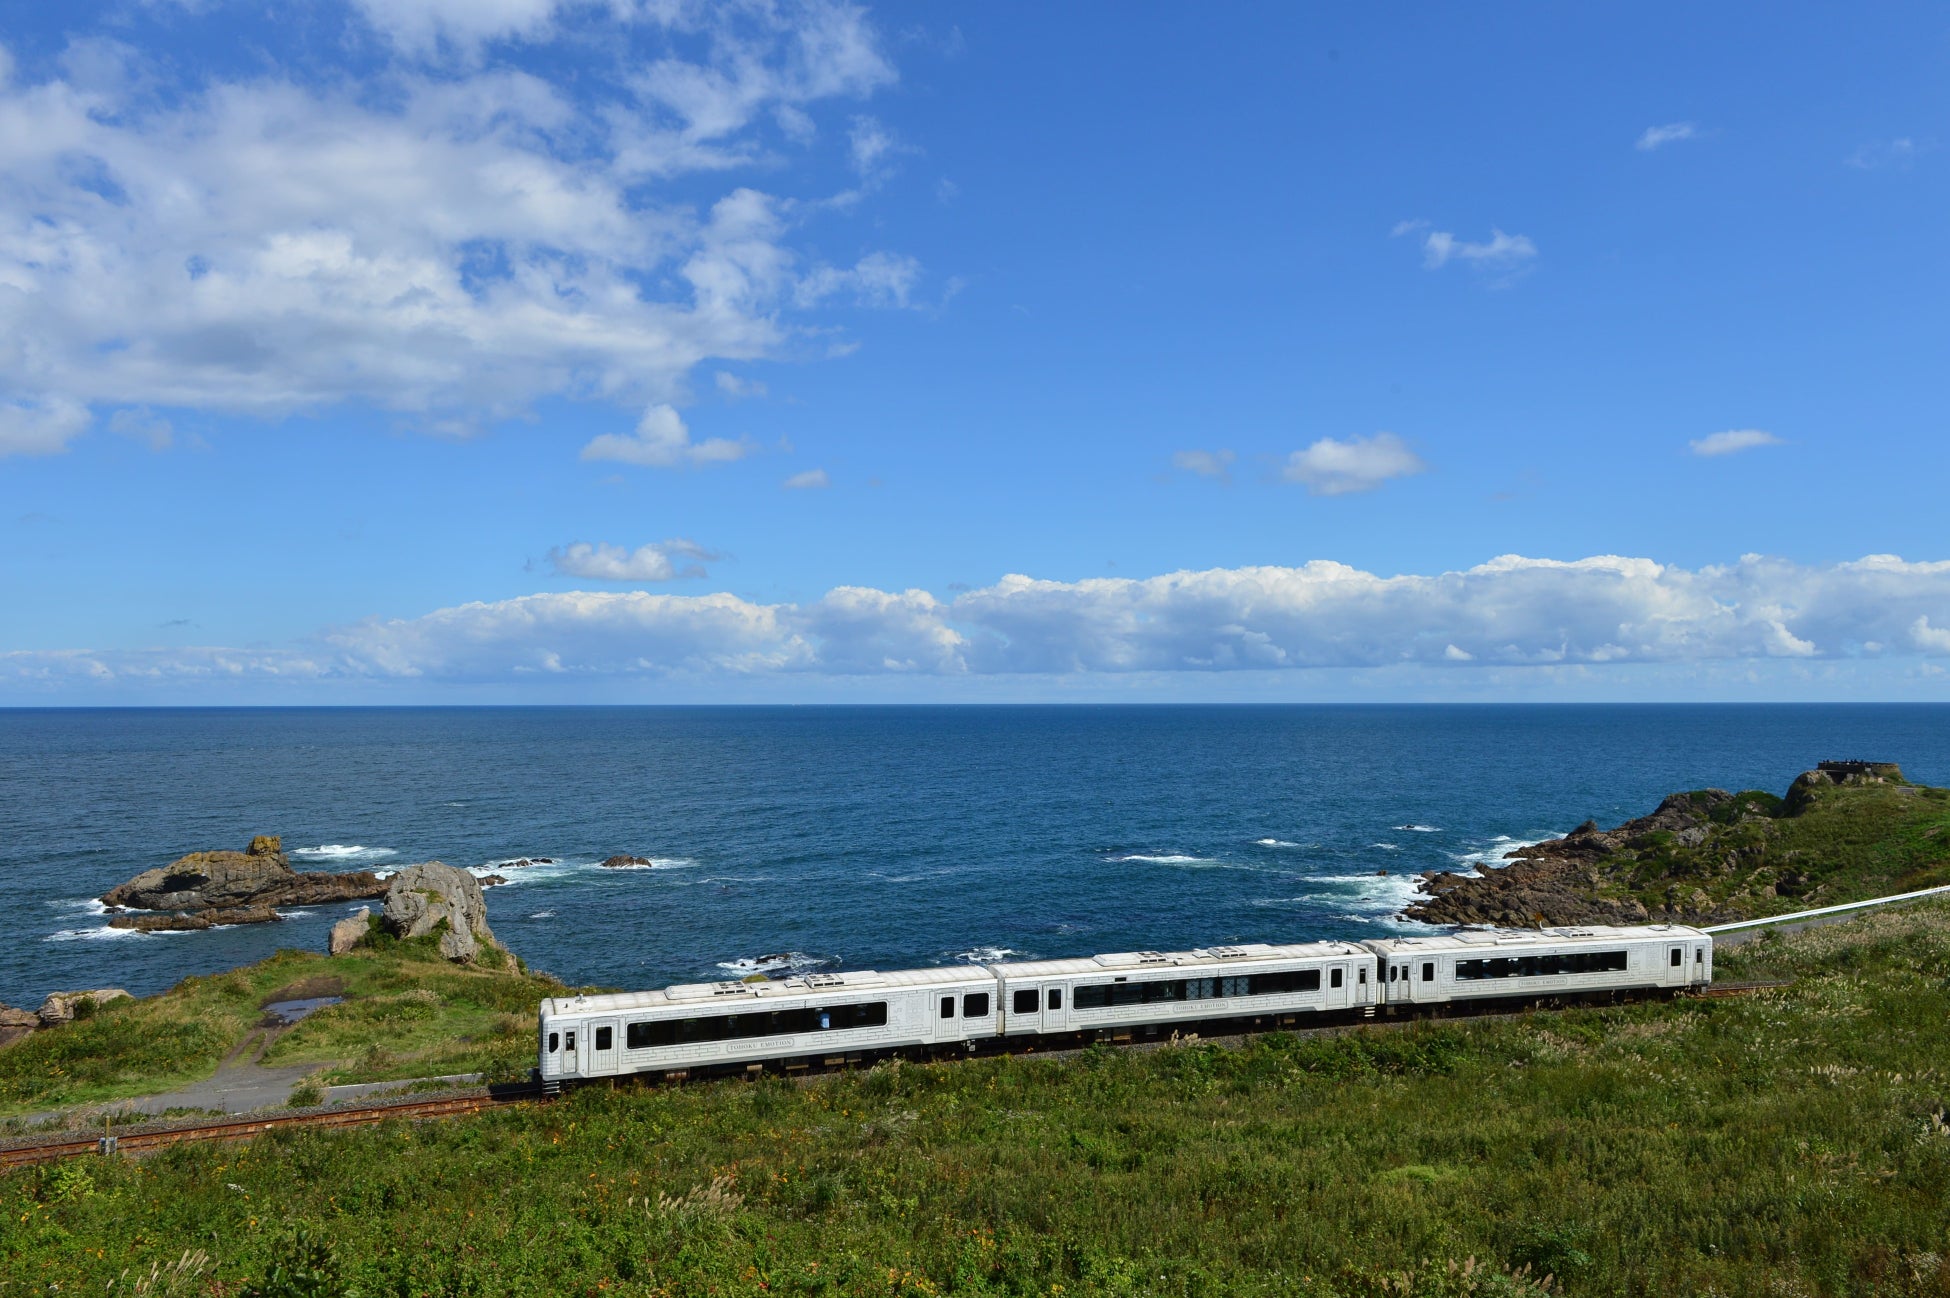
(796,838)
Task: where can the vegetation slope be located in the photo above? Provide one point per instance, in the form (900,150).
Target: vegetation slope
(1793,1141)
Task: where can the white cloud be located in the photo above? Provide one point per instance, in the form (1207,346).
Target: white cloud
(1671,133)
(810,480)
(41,427)
(1509,613)
(1207,464)
(143,426)
(450,245)
(663,561)
(662,441)
(1501,251)
(737,389)
(1335,468)
(1733,441)
(869,145)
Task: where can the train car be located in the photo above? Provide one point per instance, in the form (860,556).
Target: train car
(1113,995)
(1491,964)
(817,1019)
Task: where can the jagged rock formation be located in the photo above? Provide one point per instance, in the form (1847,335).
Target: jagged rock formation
(1709,856)
(349,932)
(65,1007)
(625,862)
(243,886)
(435,897)
(184,922)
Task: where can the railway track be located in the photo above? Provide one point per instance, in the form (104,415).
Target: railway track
(454,1106)
(365,1115)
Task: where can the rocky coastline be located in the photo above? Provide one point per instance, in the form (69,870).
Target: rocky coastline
(1702,857)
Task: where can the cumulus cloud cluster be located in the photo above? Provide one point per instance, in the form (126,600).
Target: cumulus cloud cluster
(449,236)
(1509,612)
(1501,253)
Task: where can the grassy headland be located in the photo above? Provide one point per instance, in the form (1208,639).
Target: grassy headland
(407,1013)
(1791,1142)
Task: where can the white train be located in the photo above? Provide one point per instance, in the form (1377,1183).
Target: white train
(831,1019)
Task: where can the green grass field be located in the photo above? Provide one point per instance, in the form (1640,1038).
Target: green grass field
(1792,1142)
(408,1013)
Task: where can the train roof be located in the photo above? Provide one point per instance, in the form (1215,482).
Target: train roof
(1126,961)
(730,994)
(1477,939)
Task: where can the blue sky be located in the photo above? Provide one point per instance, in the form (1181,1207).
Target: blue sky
(522,350)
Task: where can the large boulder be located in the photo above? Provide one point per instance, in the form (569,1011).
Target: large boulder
(349,932)
(423,898)
(15,1024)
(65,1007)
(248,883)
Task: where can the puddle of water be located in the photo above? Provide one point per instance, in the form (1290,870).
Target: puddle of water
(288,1012)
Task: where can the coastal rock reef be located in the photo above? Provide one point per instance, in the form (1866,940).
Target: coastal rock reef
(436,898)
(204,889)
(1845,830)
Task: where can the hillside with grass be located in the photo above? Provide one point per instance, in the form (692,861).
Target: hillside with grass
(1794,1141)
(1710,856)
(404,1011)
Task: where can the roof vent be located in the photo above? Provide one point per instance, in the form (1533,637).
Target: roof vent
(1153,957)
(733,989)
(825,980)
(1228,952)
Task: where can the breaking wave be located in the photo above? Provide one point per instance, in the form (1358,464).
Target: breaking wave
(342,852)
(780,965)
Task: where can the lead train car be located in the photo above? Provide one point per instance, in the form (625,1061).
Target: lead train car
(829,1019)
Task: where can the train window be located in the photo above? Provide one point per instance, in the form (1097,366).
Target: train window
(1024,1002)
(1093,998)
(1539,966)
(1361,976)
(975,1005)
(1334,978)
(1056,998)
(570,1042)
(947,1007)
(1677,954)
(605,1038)
(755,1023)
(1391,973)
(554,1042)
(1428,971)
(1699,955)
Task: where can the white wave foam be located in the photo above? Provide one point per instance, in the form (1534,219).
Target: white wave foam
(1420,829)
(294,914)
(1273,842)
(92,934)
(1180,860)
(986,954)
(1387,847)
(1491,857)
(779,965)
(81,905)
(543,914)
(342,852)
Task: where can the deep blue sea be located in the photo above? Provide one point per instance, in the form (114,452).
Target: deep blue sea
(854,837)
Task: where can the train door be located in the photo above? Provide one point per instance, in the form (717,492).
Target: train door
(1022,1010)
(1339,989)
(571,1057)
(600,1052)
(1675,971)
(1363,989)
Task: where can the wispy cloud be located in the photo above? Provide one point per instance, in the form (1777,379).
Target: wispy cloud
(662,561)
(1331,467)
(1733,441)
(1511,612)
(1503,256)
(1657,137)
(1899,152)
(662,441)
(1207,464)
(736,388)
(810,480)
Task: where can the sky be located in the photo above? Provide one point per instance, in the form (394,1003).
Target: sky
(582,351)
